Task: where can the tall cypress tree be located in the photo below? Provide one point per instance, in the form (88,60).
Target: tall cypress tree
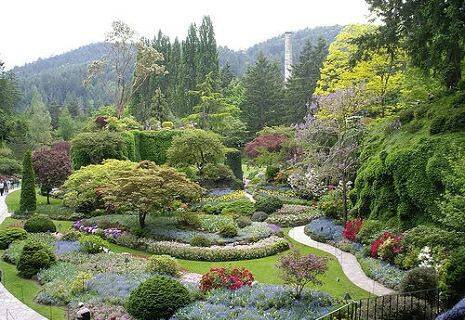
(28,189)
(302,83)
(190,57)
(263,102)
(208,52)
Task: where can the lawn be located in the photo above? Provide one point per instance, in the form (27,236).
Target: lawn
(12,200)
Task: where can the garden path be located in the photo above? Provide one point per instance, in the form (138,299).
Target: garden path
(348,262)
(10,307)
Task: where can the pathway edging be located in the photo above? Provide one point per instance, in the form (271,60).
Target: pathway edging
(348,262)
(10,307)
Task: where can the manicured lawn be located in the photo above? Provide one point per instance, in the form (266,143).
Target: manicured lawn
(60,224)
(12,200)
(26,291)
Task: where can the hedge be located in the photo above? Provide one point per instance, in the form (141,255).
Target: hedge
(129,146)
(234,161)
(153,145)
(260,249)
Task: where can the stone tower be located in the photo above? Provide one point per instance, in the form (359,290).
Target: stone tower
(287,55)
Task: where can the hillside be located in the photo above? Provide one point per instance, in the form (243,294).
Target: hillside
(60,78)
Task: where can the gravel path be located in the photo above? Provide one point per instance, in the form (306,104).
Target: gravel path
(10,307)
(348,261)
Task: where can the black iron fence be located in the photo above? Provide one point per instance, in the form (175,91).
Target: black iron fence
(416,305)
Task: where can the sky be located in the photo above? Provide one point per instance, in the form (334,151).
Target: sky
(39,29)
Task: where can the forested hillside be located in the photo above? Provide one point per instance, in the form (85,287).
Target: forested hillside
(59,79)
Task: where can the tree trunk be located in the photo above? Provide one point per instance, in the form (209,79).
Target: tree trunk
(344,198)
(142,220)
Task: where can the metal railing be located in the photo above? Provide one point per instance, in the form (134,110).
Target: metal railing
(423,304)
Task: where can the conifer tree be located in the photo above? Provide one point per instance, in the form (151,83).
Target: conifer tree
(28,189)
(208,52)
(263,102)
(40,121)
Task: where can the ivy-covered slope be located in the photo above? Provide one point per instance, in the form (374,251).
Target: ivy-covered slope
(413,167)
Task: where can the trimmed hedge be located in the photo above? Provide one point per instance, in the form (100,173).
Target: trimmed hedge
(260,249)
(35,256)
(153,145)
(28,200)
(234,161)
(39,223)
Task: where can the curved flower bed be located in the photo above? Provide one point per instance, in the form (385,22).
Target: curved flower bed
(260,249)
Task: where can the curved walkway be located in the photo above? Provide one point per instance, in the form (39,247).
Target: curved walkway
(348,262)
(10,307)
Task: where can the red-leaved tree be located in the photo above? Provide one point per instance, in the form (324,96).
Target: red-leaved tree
(298,271)
(270,142)
(52,167)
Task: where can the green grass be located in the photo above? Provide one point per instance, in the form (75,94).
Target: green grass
(26,291)
(12,200)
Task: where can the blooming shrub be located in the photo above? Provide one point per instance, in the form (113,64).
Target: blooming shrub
(324,230)
(352,228)
(387,246)
(93,244)
(226,278)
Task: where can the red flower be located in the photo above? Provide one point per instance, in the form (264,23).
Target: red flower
(226,278)
(352,228)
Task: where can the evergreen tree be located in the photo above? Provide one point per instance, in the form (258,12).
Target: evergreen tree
(66,127)
(190,57)
(303,81)
(226,75)
(175,74)
(40,121)
(262,105)
(159,107)
(208,52)
(28,189)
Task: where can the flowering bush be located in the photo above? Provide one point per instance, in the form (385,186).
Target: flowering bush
(387,246)
(352,228)
(226,278)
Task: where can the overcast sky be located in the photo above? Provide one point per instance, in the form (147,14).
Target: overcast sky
(33,29)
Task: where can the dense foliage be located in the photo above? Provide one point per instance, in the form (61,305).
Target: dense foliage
(39,223)
(28,189)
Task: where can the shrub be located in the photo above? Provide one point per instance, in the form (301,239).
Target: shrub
(423,235)
(387,246)
(9,166)
(241,206)
(157,298)
(163,264)
(226,278)
(71,235)
(34,257)
(167,125)
(94,147)
(154,145)
(259,216)
(268,142)
(398,308)
(351,228)
(79,283)
(331,204)
(369,231)
(298,270)
(188,219)
(28,201)
(93,244)
(454,277)
(234,161)
(39,223)
(7,236)
(268,205)
(419,279)
(201,241)
(271,172)
(243,222)
(228,230)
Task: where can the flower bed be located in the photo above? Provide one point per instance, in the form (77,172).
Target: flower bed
(263,248)
(291,215)
(259,302)
(216,196)
(284,193)
(381,271)
(324,230)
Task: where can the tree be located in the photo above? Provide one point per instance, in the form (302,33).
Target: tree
(123,47)
(302,83)
(27,202)
(52,167)
(214,112)
(66,126)
(299,271)
(159,107)
(331,139)
(196,147)
(430,31)
(263,99)
(190,58)
(9,94)
(380,72)
(149,188)
(208,52)
(40,121)
(226,75)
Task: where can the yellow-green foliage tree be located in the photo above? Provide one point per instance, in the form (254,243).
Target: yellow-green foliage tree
(148,188)
(379,74)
